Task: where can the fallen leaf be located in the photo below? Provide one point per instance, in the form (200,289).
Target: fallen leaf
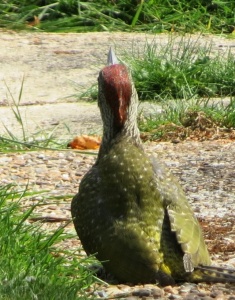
(85,142)
(35,22)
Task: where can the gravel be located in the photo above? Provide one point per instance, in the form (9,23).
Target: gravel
(206,171)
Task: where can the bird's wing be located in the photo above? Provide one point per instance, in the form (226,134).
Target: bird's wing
(183,222)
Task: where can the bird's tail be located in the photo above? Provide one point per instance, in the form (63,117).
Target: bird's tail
(212,274)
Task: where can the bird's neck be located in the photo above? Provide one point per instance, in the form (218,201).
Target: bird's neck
(115,130)
(111,136)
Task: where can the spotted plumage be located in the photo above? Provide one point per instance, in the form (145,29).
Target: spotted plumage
(131,211)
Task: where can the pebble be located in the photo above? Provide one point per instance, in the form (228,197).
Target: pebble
(192,297)
(174,296)
(168,289)
(156,293)
(124,288)
(141,292)
(5,159)
(101,294)
(65,177)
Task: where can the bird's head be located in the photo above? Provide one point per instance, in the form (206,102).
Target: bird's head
(117,100)
(115,90)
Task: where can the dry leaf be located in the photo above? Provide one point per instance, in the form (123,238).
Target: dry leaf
(85,142)
(35,22)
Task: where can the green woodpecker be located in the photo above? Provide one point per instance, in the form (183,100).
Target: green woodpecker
(131,211)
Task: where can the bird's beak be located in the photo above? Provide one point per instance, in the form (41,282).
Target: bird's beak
(112,59)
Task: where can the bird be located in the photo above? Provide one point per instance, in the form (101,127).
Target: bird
(130,210)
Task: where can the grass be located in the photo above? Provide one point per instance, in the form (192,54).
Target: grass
(184,77)
(183,68)
(32,265)
(106,15)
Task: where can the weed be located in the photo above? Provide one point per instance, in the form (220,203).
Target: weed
(32,266)
(42,139)
(181,69)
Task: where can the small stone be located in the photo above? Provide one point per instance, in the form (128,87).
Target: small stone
(184,291)
(157,293)
(192,297)
(20,162)
(174,296)
(216,294)
(124,288)
(52,207)
(65,177)
(145,293)
(194,290)
(136,293)
(15,177)
(37,198)
(70,158)
(40,170)
(121,295)
(5,181)
(186,288)
(5,159)
(54,173)
(202,294)
(175,290)
(168,289)
(141,292)
(79,173)
(101,294)
(38,182)
(114,291)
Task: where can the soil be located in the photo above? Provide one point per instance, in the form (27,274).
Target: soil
(55,68)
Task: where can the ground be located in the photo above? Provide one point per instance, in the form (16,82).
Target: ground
(55,68)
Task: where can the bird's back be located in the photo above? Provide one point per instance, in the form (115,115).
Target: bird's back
(122,216)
